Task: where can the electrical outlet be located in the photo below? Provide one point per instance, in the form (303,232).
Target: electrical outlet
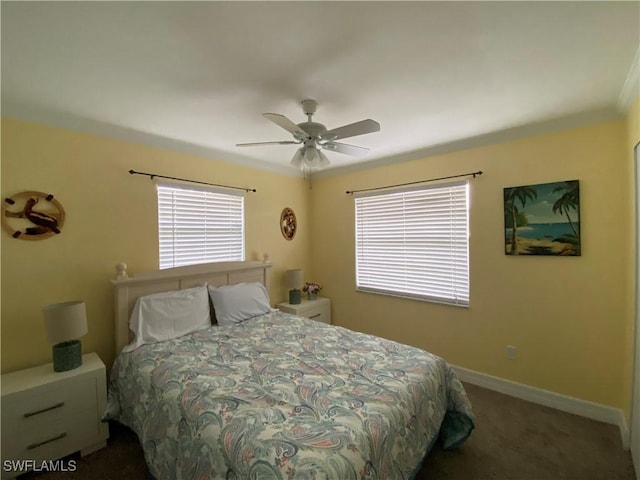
(511,352)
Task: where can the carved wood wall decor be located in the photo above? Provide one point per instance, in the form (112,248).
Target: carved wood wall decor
(32,215)
(288,223)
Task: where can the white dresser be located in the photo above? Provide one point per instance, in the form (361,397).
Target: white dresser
(48,415)
(318,309)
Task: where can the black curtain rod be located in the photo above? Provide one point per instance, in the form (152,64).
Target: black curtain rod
(152,175)
(474,174)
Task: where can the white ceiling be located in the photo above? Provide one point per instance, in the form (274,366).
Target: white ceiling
(196,76)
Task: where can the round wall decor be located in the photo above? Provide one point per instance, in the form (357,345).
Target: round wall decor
(32,215)
(288,223)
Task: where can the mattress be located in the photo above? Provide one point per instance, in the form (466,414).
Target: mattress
(284,397)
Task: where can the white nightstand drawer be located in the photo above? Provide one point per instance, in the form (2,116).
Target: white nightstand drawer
(319,312)
(67,434)
(31,408)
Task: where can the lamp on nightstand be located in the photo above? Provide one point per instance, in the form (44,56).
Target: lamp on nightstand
(295,282)
(66,323)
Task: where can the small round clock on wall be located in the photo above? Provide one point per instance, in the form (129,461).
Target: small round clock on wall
(32,215)
(288,223)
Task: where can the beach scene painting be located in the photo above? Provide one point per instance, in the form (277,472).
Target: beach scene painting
(542,219)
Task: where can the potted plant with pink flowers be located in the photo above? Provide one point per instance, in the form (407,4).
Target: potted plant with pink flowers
(311,289)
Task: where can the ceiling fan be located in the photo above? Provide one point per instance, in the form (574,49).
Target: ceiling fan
(315,136)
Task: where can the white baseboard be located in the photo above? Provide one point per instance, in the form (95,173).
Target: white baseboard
(584,408)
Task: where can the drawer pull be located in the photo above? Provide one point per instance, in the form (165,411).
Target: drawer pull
(315,316)
(44,442)
(38,412)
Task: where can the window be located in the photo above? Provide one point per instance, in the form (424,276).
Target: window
(199,225)
(414,243)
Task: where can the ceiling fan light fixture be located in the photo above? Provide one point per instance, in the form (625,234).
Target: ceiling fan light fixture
(296,161)
(324,161)
(315,136)
(311,155)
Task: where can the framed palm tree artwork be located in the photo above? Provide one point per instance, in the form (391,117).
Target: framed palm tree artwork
(542,219)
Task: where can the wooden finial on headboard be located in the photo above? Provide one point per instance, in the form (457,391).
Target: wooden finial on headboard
(121,271)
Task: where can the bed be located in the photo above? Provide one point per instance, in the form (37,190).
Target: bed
(274,395)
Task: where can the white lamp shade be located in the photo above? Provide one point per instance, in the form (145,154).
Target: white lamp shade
(295,278)
(65,321)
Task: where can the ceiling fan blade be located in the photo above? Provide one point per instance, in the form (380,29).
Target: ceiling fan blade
(346,149)
(285,123)
(256,144)
(351,130)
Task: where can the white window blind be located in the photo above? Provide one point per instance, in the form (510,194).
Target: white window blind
(199,225)
(414,243)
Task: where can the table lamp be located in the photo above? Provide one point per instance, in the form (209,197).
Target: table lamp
(295,283)
(66,323)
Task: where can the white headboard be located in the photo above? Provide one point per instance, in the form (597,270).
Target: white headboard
(127,290)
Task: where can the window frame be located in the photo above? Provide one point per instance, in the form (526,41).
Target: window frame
(458,281)
(214,195)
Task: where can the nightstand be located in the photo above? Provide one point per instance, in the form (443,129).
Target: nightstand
(48,415)
(318,309)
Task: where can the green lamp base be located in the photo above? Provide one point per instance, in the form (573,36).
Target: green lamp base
(67,356)
(294,297)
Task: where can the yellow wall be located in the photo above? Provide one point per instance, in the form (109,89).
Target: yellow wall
(567,316)
(633,123)
(111,217)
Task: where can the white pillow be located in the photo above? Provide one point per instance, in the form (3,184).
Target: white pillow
(164,316)
(237,303)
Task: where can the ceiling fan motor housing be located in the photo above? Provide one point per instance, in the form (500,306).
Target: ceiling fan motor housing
(309,106)
(314,130)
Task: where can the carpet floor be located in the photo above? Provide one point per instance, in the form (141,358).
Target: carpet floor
(513,440)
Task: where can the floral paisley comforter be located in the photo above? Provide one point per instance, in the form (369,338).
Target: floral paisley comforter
(282,397)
